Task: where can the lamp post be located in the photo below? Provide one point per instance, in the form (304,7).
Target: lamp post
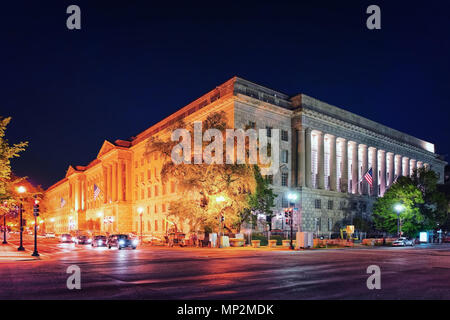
(398,208)
(21,190)
(5,204)
(292,197)
(36,214)
(140,211)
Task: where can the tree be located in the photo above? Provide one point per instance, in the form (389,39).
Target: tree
(435,205)
(208,191)
(402,192)
(261,201)
(7,152)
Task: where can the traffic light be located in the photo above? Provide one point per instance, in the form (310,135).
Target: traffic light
(36,208)
(286,213)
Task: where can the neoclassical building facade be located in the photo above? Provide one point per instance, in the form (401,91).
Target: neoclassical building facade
(324,153)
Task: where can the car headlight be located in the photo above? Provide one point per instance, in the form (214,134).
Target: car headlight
(73,238)
(121,242)
(135,242)
(100,242)
(89,240)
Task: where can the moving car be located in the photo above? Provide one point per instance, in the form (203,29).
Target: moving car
(50,235)
(82,240)
(66,238)
(99,241)
(121,241)
(402,242)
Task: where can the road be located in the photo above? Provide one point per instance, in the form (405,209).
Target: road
(422,272)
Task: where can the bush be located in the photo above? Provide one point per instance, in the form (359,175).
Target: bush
(278,238)
(262,238)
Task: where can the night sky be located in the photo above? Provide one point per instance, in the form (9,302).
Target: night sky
(134,63)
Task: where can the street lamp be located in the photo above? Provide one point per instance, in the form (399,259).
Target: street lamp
(36,214)
(291,197)
(398,208)
(140,211)
(5,204)
(21,190)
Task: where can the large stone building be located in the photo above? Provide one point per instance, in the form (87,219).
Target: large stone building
(324,152)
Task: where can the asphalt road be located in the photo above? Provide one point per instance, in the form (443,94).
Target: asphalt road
(422,272)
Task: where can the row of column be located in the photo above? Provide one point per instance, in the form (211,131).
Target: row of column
(391,164)
(115,175)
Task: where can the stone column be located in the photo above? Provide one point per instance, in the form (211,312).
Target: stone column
(120,181)
(320,160)
(364,154)
(391,168)
(114,181)
(355,164)
(413,165)
(405,161)
(333,172)
(344,166)
(398,165)
(301,157)
(375,171)
(382,172)
(308,178)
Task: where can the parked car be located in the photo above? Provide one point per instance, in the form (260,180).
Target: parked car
(83,240)
(50,235)
(66,238)
(99,241)
(402,242)
(121,241)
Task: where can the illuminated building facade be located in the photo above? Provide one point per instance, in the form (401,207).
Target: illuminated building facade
(324,153)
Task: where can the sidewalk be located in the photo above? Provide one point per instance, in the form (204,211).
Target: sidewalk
(8,252)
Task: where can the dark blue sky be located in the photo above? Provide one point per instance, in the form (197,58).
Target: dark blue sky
(134,62)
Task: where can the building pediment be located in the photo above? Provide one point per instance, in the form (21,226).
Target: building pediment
(106,147)
(70,171)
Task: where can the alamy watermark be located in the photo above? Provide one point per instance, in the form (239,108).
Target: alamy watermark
(236,147)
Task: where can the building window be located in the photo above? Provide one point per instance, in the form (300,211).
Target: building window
(251,125)
(318,224)
(149,192)
(172,187)
(149,174)
(354,205)
(149,226)
(164,189)
(269,131)
(342,205)
(284,135)
(284,179)
(330,224)
(163,207)
(285,156)
(318,204)
(142,194)
(330,204)
(156,208)
(156,191)
(156,225)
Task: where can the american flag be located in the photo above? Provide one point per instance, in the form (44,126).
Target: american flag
(368,176)
(96,191)
(63,202)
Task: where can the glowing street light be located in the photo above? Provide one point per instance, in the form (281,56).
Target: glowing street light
(220,199)
(21,190)
(398,208)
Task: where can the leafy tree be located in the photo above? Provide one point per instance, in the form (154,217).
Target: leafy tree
(7,152)
(435,205)
(261,201)
(402,192)
(239,187)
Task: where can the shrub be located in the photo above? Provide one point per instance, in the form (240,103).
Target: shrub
(262,238)
(278,238)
